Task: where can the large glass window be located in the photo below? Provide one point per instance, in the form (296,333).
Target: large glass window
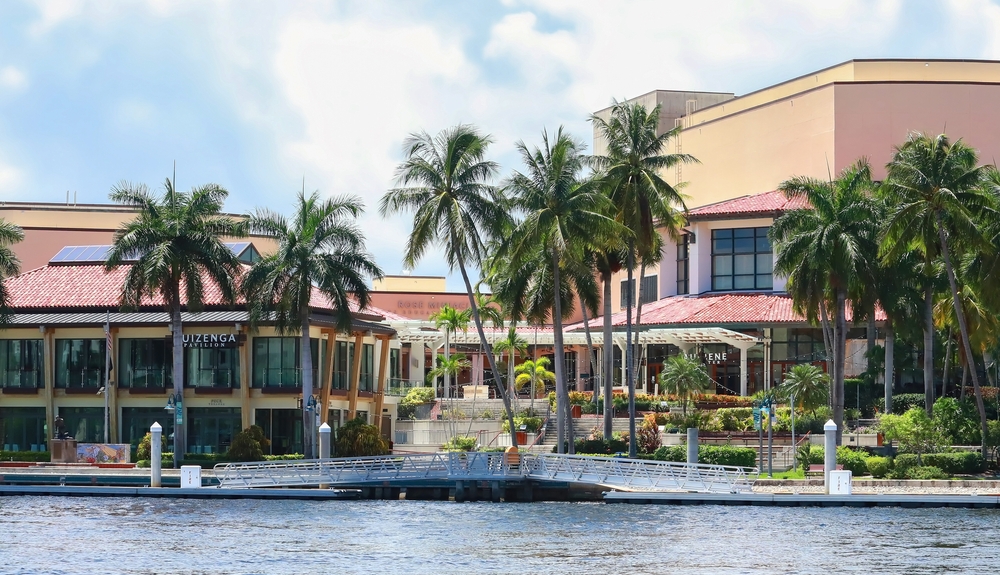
(80,363)
(145,363)
(366,382)
(395,364)
(23,429)
(741,259)
(85,424)
(21,364)
(797,345)
(683,268)
(212,367)
(283,428)
(341,373)
(211,429)
(647,291)
(136,422)
(276,362)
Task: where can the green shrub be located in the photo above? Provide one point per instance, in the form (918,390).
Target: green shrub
(902,464)
(957,463)
(285,457)
(247,445)
(460,443)
(901,402)
(356,438)
(852,460)
(531,424)
(25,456)
(144,449)
(727,455)
(812,422)
(926,472)
(417,396)
(879,466)
(958,421)
(589,407)
(808,455)
(647,437)
(607,447)
(735,418)
(676,453)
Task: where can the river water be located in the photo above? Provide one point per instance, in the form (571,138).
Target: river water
(96,535)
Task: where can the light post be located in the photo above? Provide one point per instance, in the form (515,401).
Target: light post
(175,405)
(312,409)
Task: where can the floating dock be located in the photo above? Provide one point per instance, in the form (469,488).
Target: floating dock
(991,501)
(176,493)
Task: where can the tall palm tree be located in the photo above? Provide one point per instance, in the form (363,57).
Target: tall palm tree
(445,182)
(608,261)
(450,320)
(562,216)
(172,246)
(631,173)
(513,344)
(936,188)
(9,264)
(828,238)
(320,249)
(686,377)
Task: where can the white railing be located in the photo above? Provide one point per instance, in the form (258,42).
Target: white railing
(616,473)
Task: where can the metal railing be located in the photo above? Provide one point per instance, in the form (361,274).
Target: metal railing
(617,473)
(400,387)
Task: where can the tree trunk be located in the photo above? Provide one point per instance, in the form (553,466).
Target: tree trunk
(964,329)
(489,351)
(929,345)
(562,394)
(840,351)
(890,341)
(870,338)
(591,360)
(305,361)
(177,335)
(629,374)
(827,342)
(947,365)
(637,353)
(609,360)
(965,377)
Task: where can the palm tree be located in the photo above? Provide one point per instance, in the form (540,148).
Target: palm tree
(532,373)
(9,264)
(807,386)
(825,244)
(512,344)
(936,188)
(562,216)
(445,183)
(450,320)
(172,246)
(608,262)
(631,173)
(449,367)
(321,249)
(686,377)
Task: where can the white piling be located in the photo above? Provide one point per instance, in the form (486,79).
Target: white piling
(829,453)
(692,454)
(324,441)
(156,437)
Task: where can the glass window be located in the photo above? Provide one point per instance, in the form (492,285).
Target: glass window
(211,429)
(366,383)
(276,362)
(647,293)
(395,365)
(85,424)
(80,363)
(741,259)
(344,358)
(145,363)
(683,254)
(21,364)
(23,429)
(212,367)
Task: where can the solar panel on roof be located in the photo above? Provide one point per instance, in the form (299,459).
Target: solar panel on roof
(237,247)
(81,254)
(75,254)
(61,254)
(101,254)
(88,254)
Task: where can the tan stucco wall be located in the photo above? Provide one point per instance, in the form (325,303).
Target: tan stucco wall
(429,284)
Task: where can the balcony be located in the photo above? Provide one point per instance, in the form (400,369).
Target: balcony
(146,380)
(81,381)
(21,382)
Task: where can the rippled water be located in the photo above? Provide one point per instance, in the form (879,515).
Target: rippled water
(91,536)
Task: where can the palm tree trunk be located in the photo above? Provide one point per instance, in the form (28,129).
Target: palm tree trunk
(609,360)
(840,352)
(563,414)
(305,361)
(965,375)
(929,345)
(591,362)
(947,365)
(637,352)
(629,374)
(827,339)
(180,418)
(489,351)
(890,341)
(964,328)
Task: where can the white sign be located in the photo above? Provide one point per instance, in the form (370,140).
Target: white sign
(210,340)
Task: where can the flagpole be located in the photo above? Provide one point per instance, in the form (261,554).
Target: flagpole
(107,376)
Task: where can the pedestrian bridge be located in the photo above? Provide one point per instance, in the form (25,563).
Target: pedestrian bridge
(414,470)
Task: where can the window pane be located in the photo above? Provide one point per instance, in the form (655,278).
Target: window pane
(743,264)
(722,265)
(722,283)
(743,282)
(764,262)
(722,246)
(764,281)
(763,245)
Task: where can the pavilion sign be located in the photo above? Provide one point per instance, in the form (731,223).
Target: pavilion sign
(213,340)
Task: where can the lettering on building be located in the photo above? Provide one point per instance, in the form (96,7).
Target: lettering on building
(212,340)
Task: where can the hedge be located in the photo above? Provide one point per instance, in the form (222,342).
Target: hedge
(36,456)
(710,454)
(956,463)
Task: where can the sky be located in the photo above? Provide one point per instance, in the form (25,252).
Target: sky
(258,96)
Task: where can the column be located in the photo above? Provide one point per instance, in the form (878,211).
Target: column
(327,375)
(418,356)
(246,417)
(113,389)
(49,360)
(355,375)
(383,375)
(767,358)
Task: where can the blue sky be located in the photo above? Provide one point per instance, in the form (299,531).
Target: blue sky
(256,95)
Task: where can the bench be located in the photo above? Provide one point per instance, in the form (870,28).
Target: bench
(817,469)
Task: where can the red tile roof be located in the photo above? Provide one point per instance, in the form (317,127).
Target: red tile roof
(714,310)
(766,204)
(90,286)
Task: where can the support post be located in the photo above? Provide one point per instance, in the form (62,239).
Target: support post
(829,453)
(155,454)
(770,439)
(383,375)
(352,395)
(692,454)
(246,416)
(324,394)
(743,371)
(324,441)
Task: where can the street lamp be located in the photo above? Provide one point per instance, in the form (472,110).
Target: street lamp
(175,405)
(312,407)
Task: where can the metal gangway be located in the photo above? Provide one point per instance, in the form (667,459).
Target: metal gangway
(414,469)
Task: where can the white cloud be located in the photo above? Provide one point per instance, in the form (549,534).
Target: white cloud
(10,178)
(12,78)
(55,12)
